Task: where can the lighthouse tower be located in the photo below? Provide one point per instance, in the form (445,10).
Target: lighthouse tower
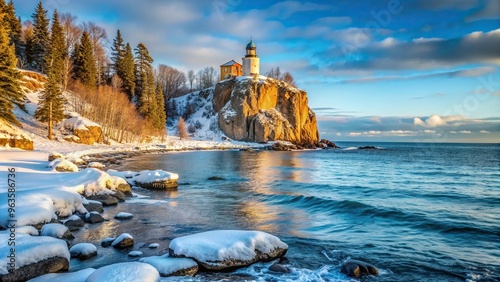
(251,63)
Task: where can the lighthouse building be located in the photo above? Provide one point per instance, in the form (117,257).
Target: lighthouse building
(251,63)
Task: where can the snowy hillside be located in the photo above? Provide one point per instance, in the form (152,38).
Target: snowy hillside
(197,110)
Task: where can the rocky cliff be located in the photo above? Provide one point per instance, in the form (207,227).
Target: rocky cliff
(264,109)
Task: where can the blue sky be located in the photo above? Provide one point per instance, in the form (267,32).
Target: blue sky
(378,70)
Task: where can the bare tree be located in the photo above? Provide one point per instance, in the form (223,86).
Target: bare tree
(99,38)
(181,128)
(72,34)
(171,80)
(207,77)
(191,77)
(286,76)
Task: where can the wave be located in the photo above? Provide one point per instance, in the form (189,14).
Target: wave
(313,204)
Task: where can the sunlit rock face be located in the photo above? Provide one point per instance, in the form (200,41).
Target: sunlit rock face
(264,109)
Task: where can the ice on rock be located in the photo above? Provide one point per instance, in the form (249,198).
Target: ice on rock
(77,276)
(135,254)
(156,179)
(31,249)
(123,241)
(221,249)
(168,266)
(125,272)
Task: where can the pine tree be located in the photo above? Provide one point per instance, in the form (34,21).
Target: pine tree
(51,103)
(117,52)
(14,24)
(128,72)
(84,63)
(144,84)
(41,40)
(161,115)
(10,91)
(57,51)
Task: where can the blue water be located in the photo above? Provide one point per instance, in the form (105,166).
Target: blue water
(419,212)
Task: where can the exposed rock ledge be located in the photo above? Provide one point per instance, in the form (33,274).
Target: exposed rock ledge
(262,110)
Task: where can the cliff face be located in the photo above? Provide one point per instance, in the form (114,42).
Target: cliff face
(261,110)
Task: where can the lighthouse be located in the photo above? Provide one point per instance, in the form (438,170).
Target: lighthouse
(251,63)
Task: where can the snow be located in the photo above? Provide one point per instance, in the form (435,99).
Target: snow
(63,164)
(96,165)
(121,238)
(167,265)
(83,249)
(71,218)
(153,245)
(30,230)
(31,249)
(55,230)
(42,194)
(220,245)
(125,272)
(77,276)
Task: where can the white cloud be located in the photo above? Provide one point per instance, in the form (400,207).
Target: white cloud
(485,131)
(465,131)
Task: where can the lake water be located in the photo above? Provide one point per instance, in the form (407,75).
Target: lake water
(418,212)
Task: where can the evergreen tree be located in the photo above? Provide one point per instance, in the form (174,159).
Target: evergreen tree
(41,40)
(57,51)
(161,115)
(51,103)
(10,91)
(117,52)
(127,73)
(84,63)
(143,71)
(14,24)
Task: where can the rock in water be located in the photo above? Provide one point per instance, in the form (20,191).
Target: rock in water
(357,268)
(83,251)
(227,249)
(168,266)
(264,110)
(123,241)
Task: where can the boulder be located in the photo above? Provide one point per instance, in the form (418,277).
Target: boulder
(125,189)
(106,242)
(24,273)
(55,155)
(93,217)
(124,215)
(367,148)
(96,165)
(357,268)
(83,251)
(228,249)
(56,230)
(276,267)
(119,196)
(125,271)
(259,110)
(73,223)
(328,143)
(216,178)
(93,206)
(104,199)
(123,241)
(168,266)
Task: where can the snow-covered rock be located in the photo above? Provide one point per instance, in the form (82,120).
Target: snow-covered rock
(83,251)
(34,256)
(73,222)
(97,165)
(123,241)
(76,160)
(151,179)
(77,276)
(92,205)
(125,272)
(30,230)
(14,137)
(124,215)
(168,266)
(63,165)
(56,230)
(153,245)
(135,254)
(55,155)
(87,131)
(222,249)
(104,199)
